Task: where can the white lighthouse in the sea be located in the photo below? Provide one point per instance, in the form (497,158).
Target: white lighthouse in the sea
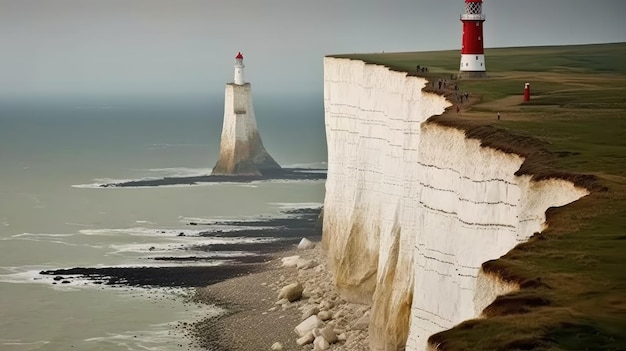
(239,69)
(241,149)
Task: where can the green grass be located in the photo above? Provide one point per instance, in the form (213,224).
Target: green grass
(577,113)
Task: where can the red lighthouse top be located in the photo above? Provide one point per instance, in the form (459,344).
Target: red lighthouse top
(239,56)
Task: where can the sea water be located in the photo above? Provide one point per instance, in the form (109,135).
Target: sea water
(55,153)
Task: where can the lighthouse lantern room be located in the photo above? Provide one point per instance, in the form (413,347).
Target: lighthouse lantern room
(472,51)
(239,69)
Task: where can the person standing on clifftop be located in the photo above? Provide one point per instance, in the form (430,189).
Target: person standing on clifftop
(498,116)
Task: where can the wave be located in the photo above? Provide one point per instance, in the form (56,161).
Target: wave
(99,182)
(282,206)
(39,235)
(181,245)
(144,222)
(297,205)
(181,171)
(100,185)
(33,345)
(212,220)
(161,336)
(184,255)
(155,232)
(155,174)
(315,165)
(49,239)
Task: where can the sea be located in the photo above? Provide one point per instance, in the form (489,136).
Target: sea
(54,154)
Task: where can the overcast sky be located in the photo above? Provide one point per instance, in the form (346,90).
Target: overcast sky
(187,47)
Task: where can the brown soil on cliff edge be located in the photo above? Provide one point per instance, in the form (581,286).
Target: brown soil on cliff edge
(572,275)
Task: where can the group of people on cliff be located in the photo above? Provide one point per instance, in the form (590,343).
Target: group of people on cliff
(445,84)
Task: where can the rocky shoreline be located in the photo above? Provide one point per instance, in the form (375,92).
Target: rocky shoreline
(247,288)
(261,316)
(246,285)
(299,174)
(247,257)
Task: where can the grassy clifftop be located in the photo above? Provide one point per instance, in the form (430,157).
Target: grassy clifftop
(573,274)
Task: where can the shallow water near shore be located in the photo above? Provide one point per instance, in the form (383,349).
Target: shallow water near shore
(50,218)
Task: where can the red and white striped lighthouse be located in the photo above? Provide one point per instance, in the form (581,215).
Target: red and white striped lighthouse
(472,52)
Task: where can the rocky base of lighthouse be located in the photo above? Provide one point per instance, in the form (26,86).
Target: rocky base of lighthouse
(241,149)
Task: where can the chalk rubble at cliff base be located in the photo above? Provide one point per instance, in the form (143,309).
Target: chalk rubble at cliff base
(328,322)
(270,322)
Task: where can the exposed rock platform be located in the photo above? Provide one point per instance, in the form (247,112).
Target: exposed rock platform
(278,174)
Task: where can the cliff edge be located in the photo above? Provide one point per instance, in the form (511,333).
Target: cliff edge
(413,208)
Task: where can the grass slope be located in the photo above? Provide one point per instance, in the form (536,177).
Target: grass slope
(573,274)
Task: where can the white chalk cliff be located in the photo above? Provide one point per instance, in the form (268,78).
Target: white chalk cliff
(241,149)
(413,208)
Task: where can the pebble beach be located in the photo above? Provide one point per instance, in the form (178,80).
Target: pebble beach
(258,316)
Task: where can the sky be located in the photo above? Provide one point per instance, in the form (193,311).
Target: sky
(161,48)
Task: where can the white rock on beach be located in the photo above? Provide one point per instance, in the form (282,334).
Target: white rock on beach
(290,261)
(311,311)
(291,292)
(363,322)
(320,344)
(306,293)
(325,315)
(306,339)
(308,325)
(326,305)
(305,264)
(277,346)
(328,332)
(305,244)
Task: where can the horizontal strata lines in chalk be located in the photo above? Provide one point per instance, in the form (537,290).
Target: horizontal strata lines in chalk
(466,177)
(467,267)
(424,269)
(455,214)
(358,108)
(438,251)
(355,85)
(429,331)
(468,200)
(439,260)
(530,219)
(474,276)
(432,314)
(368,137)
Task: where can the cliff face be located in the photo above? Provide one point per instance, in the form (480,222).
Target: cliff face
(241,149)
(413,209)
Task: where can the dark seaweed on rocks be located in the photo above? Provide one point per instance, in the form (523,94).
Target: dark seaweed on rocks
(156,276)
(282,232)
